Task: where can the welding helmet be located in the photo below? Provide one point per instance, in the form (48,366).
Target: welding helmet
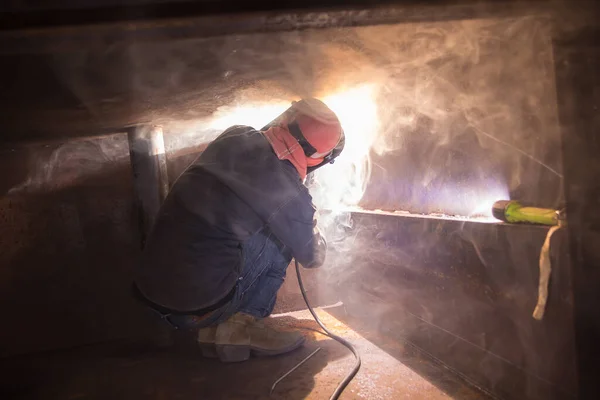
(316,128)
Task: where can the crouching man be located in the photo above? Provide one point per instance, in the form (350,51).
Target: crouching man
(233,221)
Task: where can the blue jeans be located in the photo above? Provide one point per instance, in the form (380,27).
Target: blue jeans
(263,273)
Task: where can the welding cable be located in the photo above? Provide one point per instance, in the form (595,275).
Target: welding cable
(340,388)
(293,369)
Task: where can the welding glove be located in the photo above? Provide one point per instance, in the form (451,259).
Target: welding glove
(320,248)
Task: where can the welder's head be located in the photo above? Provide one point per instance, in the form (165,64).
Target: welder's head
(316,128)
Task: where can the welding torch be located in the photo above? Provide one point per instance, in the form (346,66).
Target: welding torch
(512,211)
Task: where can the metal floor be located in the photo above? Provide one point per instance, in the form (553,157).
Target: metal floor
(136,371)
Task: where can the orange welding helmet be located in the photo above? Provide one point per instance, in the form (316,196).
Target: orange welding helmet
(316,128)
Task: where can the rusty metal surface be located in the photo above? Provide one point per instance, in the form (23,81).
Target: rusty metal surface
(463,292)
(142,371)
(92,80)
(60,34)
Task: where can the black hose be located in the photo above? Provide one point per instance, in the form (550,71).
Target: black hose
(340,388)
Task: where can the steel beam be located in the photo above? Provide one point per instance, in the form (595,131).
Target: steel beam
(149,168)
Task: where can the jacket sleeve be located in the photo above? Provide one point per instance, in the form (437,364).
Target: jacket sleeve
(294,226)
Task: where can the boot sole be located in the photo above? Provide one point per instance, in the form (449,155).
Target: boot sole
(237,353)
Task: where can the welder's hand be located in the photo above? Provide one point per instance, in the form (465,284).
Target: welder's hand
(320,248)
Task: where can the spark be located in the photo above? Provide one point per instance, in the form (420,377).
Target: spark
(483,202)
(343,184)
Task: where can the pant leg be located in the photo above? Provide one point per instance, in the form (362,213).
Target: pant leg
(265,263)
(263,273)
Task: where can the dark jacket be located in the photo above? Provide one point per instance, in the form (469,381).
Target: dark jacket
(235,188)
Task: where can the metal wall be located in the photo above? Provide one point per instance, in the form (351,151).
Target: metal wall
(464,293)
(70,237)
(69,244)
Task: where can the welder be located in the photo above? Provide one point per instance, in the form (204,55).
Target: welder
(229,228)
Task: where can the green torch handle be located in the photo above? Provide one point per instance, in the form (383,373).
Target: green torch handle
(516,213)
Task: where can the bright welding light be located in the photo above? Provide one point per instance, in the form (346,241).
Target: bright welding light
(343,184)
(485,201)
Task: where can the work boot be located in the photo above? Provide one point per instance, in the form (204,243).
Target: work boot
(206,340)
(242,335)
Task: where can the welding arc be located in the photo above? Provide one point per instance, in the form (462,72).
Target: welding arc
(340,388)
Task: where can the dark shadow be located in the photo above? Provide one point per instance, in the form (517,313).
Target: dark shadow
(69,242)
(140,370)
(68,262)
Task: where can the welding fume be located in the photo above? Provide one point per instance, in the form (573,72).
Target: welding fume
(229,228)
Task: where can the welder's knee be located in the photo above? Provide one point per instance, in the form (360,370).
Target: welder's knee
(277,269)
(279,259)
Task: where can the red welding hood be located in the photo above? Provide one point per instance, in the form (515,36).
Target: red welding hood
(316,128)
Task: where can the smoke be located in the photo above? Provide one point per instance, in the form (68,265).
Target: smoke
(441,119)
(464,110)
(54,166)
